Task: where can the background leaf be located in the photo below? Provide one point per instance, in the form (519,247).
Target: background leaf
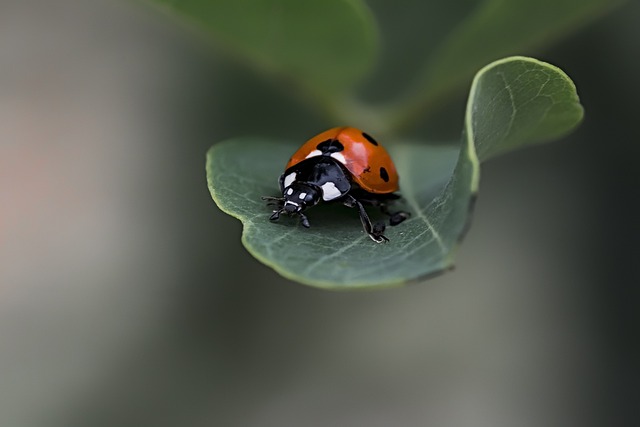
(495,29)
(325,45)
(439,192)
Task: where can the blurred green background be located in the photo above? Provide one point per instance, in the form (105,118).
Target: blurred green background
(126,297)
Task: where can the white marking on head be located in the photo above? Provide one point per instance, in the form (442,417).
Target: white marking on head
(314,153)
(289,202)
(289,179)
(290,191)
(339,157)
(302,196)
(330,191)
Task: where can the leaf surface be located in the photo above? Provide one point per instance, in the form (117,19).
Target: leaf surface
(513,102)
(326,44)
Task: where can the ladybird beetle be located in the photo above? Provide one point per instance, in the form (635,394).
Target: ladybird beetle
(343,165)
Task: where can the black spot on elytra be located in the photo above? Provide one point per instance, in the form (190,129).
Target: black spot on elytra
(330,146)
(384,175)
(369,138)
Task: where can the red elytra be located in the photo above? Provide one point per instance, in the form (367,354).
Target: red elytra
(368,162)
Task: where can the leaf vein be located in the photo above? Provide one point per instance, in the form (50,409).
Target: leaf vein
(410,198)
(332,255)
(507,86)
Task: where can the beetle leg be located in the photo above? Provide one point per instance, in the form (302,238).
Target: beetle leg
(374,232)
(395,218)
(304,220)
(276,214)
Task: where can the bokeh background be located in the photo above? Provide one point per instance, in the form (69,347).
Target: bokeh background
(126,298)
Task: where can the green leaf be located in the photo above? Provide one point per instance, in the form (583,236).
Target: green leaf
(513,102)
(327,45)
(495,29)
(531,100)
(334,252)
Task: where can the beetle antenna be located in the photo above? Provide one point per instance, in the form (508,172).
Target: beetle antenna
(273,201)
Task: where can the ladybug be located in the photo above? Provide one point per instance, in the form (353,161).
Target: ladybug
(344,165)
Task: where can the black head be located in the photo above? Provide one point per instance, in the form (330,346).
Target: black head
(295,199)
(299,196)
